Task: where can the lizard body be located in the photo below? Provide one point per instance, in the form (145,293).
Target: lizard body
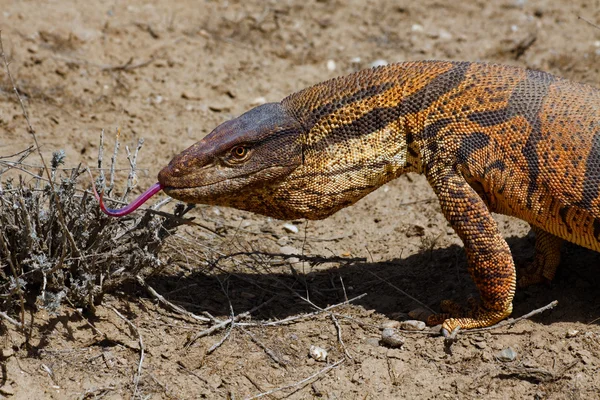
(489,138)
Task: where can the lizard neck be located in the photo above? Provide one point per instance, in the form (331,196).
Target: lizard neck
(355,139)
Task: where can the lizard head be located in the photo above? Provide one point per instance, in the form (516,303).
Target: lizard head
(240,164)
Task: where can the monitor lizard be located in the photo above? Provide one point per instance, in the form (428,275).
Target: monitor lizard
(488,138)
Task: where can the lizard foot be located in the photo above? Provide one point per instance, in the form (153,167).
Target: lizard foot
(452,316)
(533,273)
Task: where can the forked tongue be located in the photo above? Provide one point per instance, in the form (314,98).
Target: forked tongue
(131,207)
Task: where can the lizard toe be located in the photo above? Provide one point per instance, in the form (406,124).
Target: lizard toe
(477,317)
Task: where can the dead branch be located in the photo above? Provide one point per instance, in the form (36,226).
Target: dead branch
(401,291)
(16,323)
(338,329)
(269,352)
(87,321)
(132,158)
(300,384)
(167,303)
(15,276)
(232,314)
(136,379)
(227,322)
(302,316)
(588,22)
(128,66)
(510,322)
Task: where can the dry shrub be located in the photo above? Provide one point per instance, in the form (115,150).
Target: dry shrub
(56,244)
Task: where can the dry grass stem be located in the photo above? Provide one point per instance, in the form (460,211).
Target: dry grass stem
(300,384)
(268,351)
(136,379)
(167,303)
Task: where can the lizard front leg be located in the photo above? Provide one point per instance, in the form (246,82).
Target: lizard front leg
(489,259)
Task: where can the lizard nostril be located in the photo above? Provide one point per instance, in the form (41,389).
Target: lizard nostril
(164,176)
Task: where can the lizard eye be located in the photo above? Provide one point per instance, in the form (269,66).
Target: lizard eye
(239,152)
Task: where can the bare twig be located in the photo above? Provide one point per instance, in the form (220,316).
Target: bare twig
(136,379)
(269,352)
(222,340)
(128,66)
(100,158)
(401,291)
(302,316)
(132,158)
(589,22)
(167,303)
(16,323)
(511,322)
(232,319)
(96,393)
(113,162)
(87,321)
(15,277)
(225,323)
(299,384)
(338,328)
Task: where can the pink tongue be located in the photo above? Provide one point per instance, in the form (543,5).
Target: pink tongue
(132,206)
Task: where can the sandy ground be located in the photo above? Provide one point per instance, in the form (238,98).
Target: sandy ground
(169,72)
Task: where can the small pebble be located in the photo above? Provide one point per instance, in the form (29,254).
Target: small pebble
(572,333)
(258,101)
(7,353)
(188,95)
(214,381)
(7,391)
(508,354)
(391,324)
(445,35)
(480,345)
(331,65)
(379,63)
(392,337)
(415,230)
(412,325)
(287,250)
(417,28)
(290,228)
(316,387)
(318,353)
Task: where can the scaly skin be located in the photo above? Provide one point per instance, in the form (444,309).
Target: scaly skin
(487,137)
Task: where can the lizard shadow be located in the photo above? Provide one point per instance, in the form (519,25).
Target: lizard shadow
(392,287)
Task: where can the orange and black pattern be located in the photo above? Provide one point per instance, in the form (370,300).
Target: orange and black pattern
(489,138)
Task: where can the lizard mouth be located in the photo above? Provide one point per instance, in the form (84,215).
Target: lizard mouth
(197,190)
(170,181)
